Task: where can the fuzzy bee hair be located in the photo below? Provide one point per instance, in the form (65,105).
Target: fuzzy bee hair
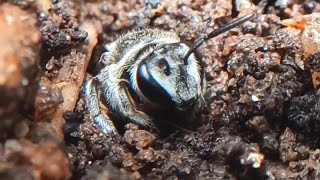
(116,88)
(147,74)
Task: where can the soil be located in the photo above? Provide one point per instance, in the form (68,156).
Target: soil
(262,114)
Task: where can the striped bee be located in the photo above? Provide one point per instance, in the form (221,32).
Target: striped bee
(147,74)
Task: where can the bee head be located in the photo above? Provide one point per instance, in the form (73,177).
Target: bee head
(164,78)
(170,74)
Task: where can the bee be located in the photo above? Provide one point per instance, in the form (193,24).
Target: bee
(148,73)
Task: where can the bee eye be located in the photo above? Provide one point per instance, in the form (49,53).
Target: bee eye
(148,84)
(164,66)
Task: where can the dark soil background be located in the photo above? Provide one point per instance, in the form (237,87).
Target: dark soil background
(262,119)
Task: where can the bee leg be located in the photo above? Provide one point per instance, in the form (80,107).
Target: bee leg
(116,93)
(91,96)
(128,107)
(120,101)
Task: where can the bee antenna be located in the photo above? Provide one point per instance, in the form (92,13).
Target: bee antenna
(214,33)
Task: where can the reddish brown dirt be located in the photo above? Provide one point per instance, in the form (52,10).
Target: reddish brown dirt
(262,119)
